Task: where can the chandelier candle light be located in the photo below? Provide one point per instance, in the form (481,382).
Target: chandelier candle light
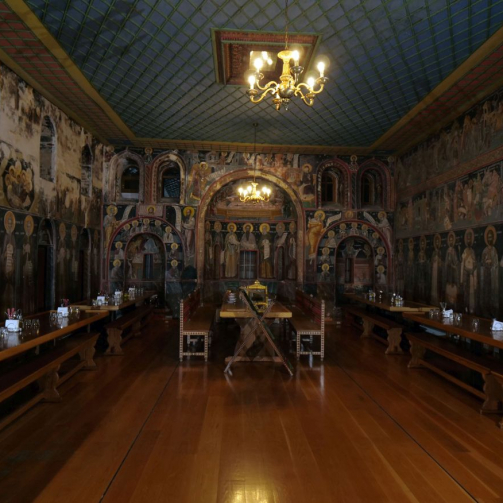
(250,193)
(289,85)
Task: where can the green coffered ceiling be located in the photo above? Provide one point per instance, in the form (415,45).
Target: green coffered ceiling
(142,71)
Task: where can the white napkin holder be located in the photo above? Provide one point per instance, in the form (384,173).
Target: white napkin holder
(448,313)
(64,311)
(101,299)
(497,326)
(12,325)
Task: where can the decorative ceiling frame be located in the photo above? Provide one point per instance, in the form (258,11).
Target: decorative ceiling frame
(29,49)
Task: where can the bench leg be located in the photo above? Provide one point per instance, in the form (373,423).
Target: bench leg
(87,355)
(417,351)
(206,342)
(299,337)
(114,342)
(493,390)
(368,327)
(394,339)
(322,344)
(180,347)
(48,384)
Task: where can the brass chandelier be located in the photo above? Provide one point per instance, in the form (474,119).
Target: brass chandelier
(289,85)
(250,193)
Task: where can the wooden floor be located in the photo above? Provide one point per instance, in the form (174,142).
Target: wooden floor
(358,428)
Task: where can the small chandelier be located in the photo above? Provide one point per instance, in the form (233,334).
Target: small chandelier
(250,193)
(289,85)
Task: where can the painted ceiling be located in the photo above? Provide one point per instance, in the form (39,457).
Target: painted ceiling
(142,71)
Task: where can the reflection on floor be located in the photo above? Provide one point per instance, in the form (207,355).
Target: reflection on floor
(360,427)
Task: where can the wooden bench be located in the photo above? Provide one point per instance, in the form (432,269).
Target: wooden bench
(490,369)
(44,368)
(195,321)
(308,320)
(370,320)
(125,327)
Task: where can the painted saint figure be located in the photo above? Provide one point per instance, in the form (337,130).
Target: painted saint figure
(248,241)
(469,280)
(436,270)
(265,247)
(489,275)
(314,231)
(231,252)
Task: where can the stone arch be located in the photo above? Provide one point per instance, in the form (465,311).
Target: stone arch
(346,172)
(123,224)
(365,236)
(154,173)
(117,166)
(239,175)
(383,170)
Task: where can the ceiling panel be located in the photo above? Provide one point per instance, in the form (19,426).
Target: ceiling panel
(152,61)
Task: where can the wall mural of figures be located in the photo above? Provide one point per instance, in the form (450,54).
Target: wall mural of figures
(17,180)
(29,249)
(474,199)
(113,217)
(475,133)
(352,256)
(463,268)
(149,253)
(9,262)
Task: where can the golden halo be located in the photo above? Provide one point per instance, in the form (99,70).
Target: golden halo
(365,227)
(437,241)
(280,227)
(493,230)
(119,245)
(9,221)
(158,223)
(380,268)
(354,225)
(267,228)
(188,210)
(325,267)
(467,233)
(29,225)
(307,168)
(231,227)
(217,226)
(380,250)
(292,227)
(451,234)
(381,214)
(325,251)
(320,212)
(246,225)
(207,225)
(135,223)
(343,227)
(174,246)
(375,235)
(331,234)
(146,221)
(174,263)
(349,214)
(112,210)
(117,262)
(127,226)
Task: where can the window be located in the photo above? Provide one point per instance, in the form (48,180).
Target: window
(148,266)
(332,187)
(48,150)
(130,181)
(170,183)
(86,172)
(371,189)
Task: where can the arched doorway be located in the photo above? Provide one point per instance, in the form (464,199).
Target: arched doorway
(245,242)
(45,266)
(145,263)
(296,231)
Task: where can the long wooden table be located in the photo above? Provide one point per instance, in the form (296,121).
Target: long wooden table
(20,342)
(87,304)
(385,304)
(251,331)
(463,329)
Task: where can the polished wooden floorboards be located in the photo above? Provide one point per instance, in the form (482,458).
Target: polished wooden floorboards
(359,427)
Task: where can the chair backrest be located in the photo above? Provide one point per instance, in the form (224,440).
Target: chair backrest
(188,306)
(315,307)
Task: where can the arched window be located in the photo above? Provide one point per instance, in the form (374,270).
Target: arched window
(170,183)
(371,189)
(332,187)
(130,181)
(48,150)
(86,172)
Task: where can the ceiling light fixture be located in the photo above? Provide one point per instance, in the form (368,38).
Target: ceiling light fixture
(250,193)
(289,85)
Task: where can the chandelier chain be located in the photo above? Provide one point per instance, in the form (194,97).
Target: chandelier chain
(286,24)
